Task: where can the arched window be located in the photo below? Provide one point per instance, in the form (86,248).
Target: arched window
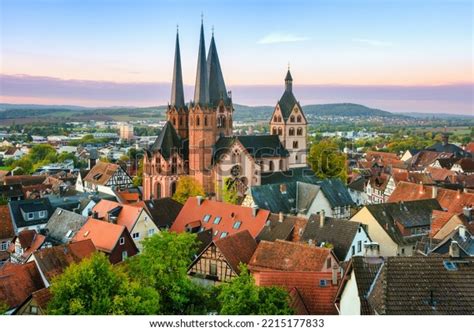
(292,119)
(299,131)
(198,121)
(180,121)
(280,165)
(174,121)
(270,166)
(191,120)
(298,119)
(157,190)
(280,131)
(292,132)
(173,188)
(295,144)
(205,120)
(174,165)
(274,131)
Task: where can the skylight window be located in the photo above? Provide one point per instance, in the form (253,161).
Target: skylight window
(237,224)
(217,220)
(450,266)
(69,234)
(206,218)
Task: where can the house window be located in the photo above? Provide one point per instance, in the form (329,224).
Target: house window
(322,283)
(42,214)
(353,250)
(213,269)
(237,224)
(403,251)
(223,234)
(217,220)
(292,119)
(295,144)
(328,263)
(151,232)
(34,310)
(124,255)
(122,240)
(206,218)
(4,246)
(359,246)
(136,235)
(30,216)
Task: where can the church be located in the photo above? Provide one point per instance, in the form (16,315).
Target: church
(197,139)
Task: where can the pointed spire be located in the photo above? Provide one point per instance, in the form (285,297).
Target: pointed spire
(288,80)
(177,90)
(217,89)
(201,91)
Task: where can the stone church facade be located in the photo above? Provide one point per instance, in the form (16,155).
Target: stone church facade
(197,139)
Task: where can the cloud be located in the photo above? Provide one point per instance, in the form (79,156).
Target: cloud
(372,42)
(278,38)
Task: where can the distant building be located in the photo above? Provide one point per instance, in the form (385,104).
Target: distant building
(126,132)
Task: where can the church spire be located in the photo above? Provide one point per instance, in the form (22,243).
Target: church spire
(177,90)
(288,81)
(217,89)
(201,89)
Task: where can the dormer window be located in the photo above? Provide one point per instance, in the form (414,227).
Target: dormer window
(42,214)
(30,216)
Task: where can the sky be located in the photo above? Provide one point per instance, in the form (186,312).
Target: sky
(404,55)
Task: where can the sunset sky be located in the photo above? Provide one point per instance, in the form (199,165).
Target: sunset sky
(405,55)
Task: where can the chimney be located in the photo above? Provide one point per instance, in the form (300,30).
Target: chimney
(254,210)
(454,249)
(334,274)
(322,217)
(434,192)
(199,200)
(283,188)
(280,217)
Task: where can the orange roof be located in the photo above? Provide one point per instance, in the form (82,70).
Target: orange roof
(18,281)
(317,299)
(288,256)
(103,234)
(370,155)
(451,200)
(439,218)
(470,147)
(440,174)
(222,217)
(127,217)
(6,225)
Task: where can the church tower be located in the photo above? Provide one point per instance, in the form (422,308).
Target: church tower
(177,112)
(202,124)
(219,98)
(289,123)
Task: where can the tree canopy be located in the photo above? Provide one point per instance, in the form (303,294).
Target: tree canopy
(327,161)
(95,287)
(187,187)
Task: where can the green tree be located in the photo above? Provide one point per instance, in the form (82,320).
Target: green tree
(327,161)
(242,297)
(163,265)
(229,191)
(3,307)
(187,187)
(95,287)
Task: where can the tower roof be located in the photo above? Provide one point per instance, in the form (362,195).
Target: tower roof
(217,89)
(288,76)
(167,141)
(287,100)
(177,90)
(201,89)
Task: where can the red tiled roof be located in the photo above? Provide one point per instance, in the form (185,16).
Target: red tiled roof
(6,225)
(24,180)
(440,174)
(319,300)
(470,147)
(237,248)
(18,281)
(42,297)
(103,234)
(54,260)
(101,173)
(26,237)
(289,256)
(127,216)
(450,200)
(439,219)
(229,214)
